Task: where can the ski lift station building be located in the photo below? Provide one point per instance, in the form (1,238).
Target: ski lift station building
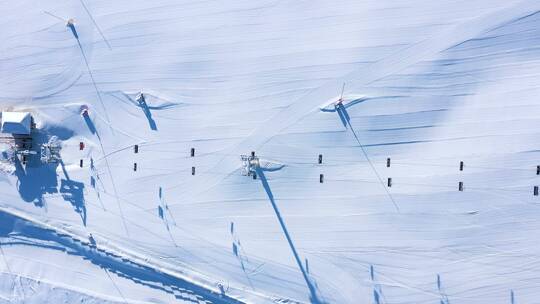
(16,123)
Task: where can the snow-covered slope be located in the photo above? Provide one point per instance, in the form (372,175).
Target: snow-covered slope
(426,83)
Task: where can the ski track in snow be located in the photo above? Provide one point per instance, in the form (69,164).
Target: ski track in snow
(423,50)
(138,268)
(443,82)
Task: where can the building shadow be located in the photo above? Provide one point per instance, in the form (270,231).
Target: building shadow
(314,298)
(33,183)
(73,192)
(34,178)
(37,177)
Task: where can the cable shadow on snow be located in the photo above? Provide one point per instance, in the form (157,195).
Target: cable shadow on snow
(312,288)
(346,121)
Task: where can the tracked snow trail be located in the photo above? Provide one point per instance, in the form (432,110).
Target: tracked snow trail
(443,82)
(119,260)
(302,107)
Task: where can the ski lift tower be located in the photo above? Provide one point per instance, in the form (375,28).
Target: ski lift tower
(141,99)
(50,152)
(250,164)
(339,102)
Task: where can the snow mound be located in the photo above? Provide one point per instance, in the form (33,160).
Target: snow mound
(346,101)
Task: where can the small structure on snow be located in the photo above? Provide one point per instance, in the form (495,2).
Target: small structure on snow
(50,152)
(84,111)
(250,164)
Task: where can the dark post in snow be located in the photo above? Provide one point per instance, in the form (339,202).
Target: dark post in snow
(389,182)
(537,170)
(134,166)
(192,152)
(535,191)
(192,170)
(388,162)
(461,166)
(460,186)
(136,148)
(321,178)
(81,163)
(253,157)
(320,158)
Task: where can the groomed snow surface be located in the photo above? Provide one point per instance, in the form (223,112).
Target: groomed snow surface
(428,84)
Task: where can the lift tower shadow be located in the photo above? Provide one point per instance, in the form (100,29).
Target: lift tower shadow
(312,289)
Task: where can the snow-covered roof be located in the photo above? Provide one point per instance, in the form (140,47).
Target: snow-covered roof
(16,122)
